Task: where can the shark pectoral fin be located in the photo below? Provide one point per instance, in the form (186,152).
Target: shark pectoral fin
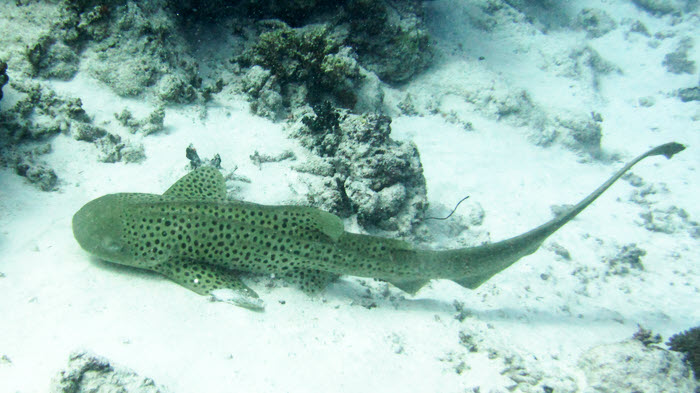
(202,183)
(310,281)
(409,286)
(207,279)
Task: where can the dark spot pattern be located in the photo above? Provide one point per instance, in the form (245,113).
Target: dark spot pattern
(193,221)
(285,240)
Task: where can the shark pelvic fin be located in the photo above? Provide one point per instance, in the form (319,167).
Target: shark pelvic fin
(311,281)
(409,286)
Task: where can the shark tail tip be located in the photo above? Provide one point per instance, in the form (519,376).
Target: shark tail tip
(668,150)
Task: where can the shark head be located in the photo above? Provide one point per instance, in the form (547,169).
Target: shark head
(98,228)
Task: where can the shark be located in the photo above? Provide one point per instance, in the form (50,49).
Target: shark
(197,237)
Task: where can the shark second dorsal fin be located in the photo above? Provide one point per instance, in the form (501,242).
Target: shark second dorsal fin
(330,224)
(318,220)
(203,183)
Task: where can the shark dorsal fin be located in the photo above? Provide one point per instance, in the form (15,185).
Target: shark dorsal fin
(203,183)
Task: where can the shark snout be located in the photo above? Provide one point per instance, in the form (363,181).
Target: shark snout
(97,228)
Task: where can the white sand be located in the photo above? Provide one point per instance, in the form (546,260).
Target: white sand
(55,298)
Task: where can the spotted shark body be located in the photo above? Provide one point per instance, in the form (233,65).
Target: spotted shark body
(196,237)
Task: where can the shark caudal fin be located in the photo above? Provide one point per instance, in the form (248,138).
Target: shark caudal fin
(471,267)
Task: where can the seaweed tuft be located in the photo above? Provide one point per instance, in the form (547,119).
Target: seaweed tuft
(688,343)
(3,76)
(646,337)
(313,57)
(324,128)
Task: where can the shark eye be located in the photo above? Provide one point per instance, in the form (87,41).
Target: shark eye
(111,245)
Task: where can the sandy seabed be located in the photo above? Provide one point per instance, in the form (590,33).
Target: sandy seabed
(525,330)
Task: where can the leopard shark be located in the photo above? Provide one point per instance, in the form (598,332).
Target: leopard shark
(197,237)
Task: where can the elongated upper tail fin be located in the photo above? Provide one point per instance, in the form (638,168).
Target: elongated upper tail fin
(473,266)
(667,150)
